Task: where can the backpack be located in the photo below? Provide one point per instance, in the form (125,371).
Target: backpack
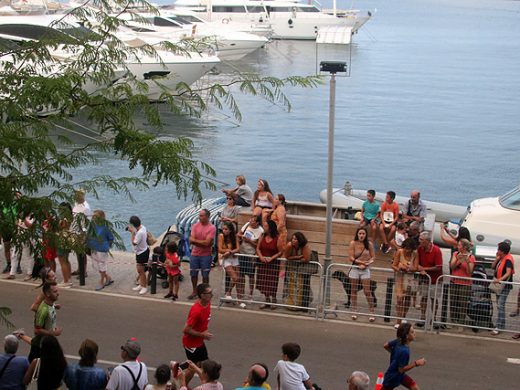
(136,380)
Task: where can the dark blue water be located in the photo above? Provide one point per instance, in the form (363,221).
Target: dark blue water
(432,102)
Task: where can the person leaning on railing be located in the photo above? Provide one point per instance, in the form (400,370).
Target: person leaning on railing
(405,264)
(298,284)
(504,270)
(462,264)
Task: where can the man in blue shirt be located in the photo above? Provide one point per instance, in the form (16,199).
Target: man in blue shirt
(12,367)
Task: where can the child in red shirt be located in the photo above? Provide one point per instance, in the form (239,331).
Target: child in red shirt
(172,265)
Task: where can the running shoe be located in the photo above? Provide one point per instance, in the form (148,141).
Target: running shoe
(143,291)
(136,288)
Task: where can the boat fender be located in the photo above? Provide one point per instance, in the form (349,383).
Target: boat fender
(225,20)
(290,22)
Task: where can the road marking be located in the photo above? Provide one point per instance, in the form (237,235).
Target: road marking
(513,360)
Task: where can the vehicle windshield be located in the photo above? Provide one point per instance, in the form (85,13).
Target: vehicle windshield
(511,200)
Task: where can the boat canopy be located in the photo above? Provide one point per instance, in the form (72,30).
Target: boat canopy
(511,200)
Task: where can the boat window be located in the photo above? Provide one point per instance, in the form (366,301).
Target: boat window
(140,29)
(30,31)
(233,9)
(170,21)
(282,9)
(511,200)
(190,19)
(8,45)
(255,9)
(308,9)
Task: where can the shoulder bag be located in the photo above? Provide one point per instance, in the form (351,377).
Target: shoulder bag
(310,267)
(33,384)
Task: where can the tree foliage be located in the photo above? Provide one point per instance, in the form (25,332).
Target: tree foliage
(45,82)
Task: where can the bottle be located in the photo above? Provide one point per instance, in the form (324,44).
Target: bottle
(379,382)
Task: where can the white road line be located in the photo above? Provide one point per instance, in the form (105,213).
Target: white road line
(107,362)
(513,360)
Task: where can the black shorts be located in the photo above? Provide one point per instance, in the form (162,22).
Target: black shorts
(143,257)
(247,265)
(198,354)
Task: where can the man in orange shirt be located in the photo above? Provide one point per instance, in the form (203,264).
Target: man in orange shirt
(389,217)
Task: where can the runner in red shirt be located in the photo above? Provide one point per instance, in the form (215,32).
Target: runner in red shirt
(196,328)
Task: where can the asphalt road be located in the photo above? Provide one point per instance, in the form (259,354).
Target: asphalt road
(331,350)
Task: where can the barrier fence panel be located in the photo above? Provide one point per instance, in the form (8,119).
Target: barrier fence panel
(293,285)
(479,304)
(380,294)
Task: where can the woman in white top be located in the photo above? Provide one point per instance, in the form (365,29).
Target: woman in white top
(361,255)
(142,252)
(262,200)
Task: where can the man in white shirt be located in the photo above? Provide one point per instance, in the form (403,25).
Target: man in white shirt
(131,374)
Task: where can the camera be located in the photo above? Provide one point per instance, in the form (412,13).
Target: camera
(184,365)
(126,228)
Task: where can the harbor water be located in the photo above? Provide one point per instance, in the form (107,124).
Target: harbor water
(432,102)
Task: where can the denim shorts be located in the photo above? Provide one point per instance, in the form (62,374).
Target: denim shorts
(202,263)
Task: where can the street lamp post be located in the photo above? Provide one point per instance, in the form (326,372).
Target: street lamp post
(332,67)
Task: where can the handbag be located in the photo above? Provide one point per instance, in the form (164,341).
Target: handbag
(310,267)
(150,239)
(496,287)
(33,384)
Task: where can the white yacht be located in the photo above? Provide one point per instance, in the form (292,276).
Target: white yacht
(289,19)
(158,74)
(229,45)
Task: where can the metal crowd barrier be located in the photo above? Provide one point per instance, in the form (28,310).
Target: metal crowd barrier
(284,281)
(470,303)
(386,295)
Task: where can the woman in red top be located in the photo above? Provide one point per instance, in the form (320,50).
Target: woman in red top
(268,250)
(462,264)
(172,265)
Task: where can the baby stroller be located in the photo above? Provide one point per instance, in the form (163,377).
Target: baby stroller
(480,308)
(160,253)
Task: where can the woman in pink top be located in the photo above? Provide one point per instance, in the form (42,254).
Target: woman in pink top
(461,265)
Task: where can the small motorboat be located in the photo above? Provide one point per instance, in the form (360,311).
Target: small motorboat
(489,220)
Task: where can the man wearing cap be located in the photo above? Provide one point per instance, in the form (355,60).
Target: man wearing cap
(196,328)
(130,374)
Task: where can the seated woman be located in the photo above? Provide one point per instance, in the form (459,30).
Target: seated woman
(361,255)
(229,213)
(268,250)
(242,194)
(462,264)
(404,264)
(227,251)
(262,200)
(298,284)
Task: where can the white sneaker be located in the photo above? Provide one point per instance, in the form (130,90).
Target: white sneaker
(136,288)
(242,305)
(143,291)
(495,331)
(65,285)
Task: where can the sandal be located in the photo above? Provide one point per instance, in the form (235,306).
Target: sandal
(516,336)
(111,281)
(354,317)
(372,319)
(99,288)
(514,314)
